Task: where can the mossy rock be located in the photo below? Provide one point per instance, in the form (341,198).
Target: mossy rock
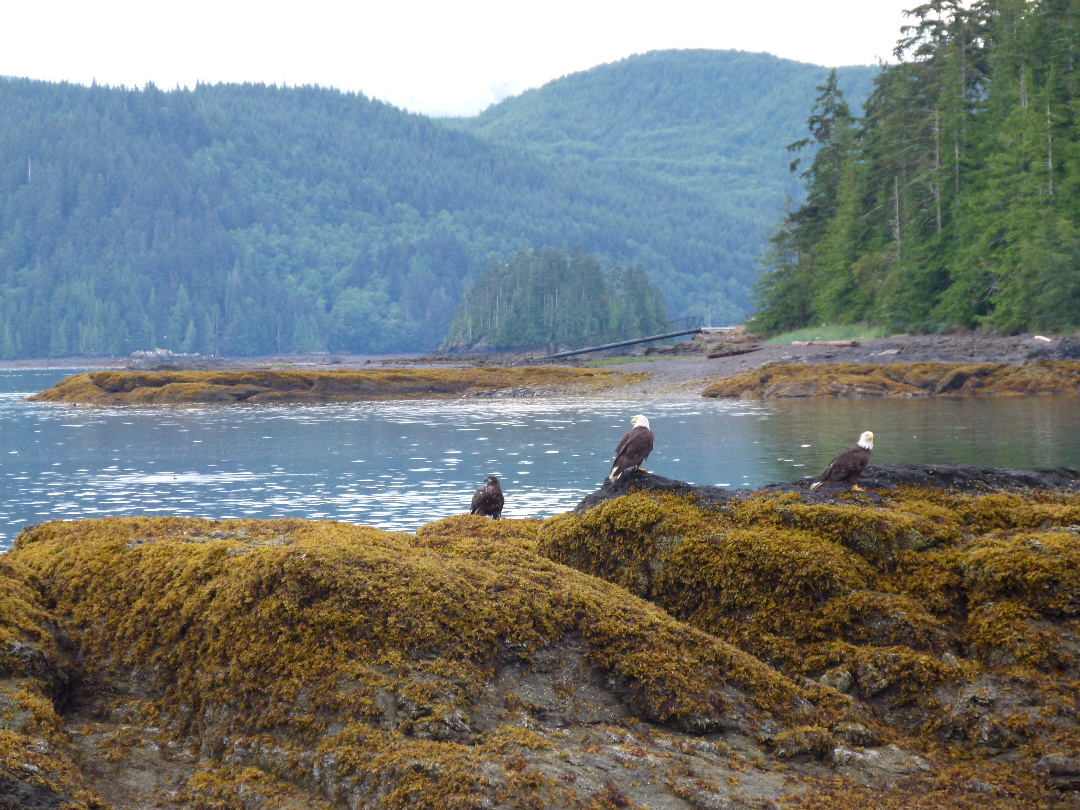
(901,380)
(281,386)
(924,642)
(337,657)
(37,767)
(1037,569)
(891,598)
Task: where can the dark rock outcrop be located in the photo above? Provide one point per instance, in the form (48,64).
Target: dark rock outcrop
(1068,348)
(952,477)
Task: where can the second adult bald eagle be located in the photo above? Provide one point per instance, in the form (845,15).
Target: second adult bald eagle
(633,448)
(488,499)
(848,464)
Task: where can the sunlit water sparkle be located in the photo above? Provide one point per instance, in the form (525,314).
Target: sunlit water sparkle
(400,464)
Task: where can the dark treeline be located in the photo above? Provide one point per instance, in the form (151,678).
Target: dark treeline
(247,219)
(955,199)
(547,296)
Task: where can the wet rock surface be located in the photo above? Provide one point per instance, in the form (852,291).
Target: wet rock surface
(952,477)
(1068,348)
(165,360)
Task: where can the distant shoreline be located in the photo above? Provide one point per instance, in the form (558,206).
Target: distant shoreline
(654,376)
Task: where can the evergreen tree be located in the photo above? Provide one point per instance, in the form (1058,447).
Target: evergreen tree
(961,203)
(799,280)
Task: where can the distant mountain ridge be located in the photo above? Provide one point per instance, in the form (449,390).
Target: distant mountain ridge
(712,122)
(247,219)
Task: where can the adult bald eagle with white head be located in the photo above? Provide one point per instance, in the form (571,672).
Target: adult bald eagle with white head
(633,448)
(848,464)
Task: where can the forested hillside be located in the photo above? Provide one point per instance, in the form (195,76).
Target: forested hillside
(956,199)
(713,122)
(252,219)
(249,219)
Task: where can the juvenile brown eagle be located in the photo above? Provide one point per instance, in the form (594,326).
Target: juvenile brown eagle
(488,499)
(848,464)
(633,448)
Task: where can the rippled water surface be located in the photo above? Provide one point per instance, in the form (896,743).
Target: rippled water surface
(398,465)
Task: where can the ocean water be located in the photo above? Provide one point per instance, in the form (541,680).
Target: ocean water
(400,464)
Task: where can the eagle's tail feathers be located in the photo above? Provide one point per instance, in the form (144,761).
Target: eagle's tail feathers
(815,485)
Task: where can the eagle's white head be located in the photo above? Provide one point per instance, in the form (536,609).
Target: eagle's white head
(867,440)
(641,421)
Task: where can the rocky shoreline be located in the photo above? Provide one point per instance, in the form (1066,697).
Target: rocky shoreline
(686,370)
(663,646)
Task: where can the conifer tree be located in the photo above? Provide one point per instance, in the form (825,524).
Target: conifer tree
(961,202)
(794,265)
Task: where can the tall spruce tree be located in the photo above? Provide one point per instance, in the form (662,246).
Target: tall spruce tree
(799,266)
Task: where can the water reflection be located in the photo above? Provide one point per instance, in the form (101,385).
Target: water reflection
(398,465)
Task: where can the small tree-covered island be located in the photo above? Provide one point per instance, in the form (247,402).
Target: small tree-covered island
(517,303)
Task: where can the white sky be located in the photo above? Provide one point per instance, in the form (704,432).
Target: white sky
(437,57)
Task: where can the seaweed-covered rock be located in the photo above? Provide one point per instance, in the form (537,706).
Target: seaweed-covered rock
(665,648)
(948,611)
(919,379)
(36,763)
(284,385)
(374,669)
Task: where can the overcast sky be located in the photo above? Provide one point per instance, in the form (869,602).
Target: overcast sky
(442,57)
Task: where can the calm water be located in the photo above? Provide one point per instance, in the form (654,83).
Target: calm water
(398,465)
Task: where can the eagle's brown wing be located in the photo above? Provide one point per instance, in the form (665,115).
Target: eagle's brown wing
(631,451)
(488,501)
(847,466)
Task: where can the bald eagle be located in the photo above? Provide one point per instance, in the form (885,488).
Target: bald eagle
(848,464)
(633,448)
(488,499)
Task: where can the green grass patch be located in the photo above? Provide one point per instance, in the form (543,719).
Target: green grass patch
(831,332)
(620,361)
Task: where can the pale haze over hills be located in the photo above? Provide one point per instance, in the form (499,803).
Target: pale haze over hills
(432,57)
